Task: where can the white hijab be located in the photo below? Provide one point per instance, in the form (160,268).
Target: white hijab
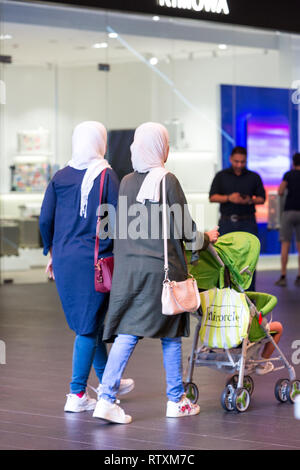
(149,152)
(88,149)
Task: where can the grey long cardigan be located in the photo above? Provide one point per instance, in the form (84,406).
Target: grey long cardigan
(135,299)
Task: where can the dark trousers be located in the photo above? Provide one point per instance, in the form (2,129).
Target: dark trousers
(250,226)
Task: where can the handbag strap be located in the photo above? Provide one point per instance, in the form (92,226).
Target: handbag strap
(165,233)
(96,252)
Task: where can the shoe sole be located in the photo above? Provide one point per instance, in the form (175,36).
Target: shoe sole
(80,410)
(184,415)
(109,420)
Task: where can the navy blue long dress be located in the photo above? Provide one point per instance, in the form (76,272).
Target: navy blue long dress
(73,240)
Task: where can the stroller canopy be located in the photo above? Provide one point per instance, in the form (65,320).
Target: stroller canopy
(239,251)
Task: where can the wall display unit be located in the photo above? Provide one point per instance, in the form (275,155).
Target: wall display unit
(34,142)
(31,168)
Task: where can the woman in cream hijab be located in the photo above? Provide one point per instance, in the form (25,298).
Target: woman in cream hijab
(135,309)
(68,227)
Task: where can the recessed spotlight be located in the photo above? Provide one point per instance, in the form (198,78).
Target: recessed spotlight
(113,35)
(100,45)
(155,18)
(223,47)
(5,36)
(153,61)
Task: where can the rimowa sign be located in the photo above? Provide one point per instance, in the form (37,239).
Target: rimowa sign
(267,14)
(209,6)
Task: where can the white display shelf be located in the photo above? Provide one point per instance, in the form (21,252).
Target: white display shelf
(28,258)
(33,158)
(10,203)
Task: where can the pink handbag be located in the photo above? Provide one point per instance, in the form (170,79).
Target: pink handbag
(103,266)
(177,297)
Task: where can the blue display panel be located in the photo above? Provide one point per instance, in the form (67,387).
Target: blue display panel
(268,145)
(265,121)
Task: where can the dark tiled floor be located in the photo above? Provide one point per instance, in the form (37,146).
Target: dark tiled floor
(34,381)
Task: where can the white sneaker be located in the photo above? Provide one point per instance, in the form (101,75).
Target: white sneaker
(111,412)
(75,404)
(126,386)
(182,408)
(263,369)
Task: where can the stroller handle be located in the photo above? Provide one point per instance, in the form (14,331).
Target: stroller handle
(214,253)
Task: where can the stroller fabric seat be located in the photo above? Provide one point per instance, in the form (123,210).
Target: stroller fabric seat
(264,303)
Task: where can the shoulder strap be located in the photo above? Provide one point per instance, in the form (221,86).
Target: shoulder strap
(165,234)
(96,252)
(165,231)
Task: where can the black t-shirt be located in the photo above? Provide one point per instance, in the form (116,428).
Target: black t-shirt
(248,183)
(292,202)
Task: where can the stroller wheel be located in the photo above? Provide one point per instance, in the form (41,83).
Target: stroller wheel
(281,390)
(226,398)
(241,400)
(249,384)
(191,391)
(233,381)
(293,390)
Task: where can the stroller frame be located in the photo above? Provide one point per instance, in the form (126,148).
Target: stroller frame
(238,389)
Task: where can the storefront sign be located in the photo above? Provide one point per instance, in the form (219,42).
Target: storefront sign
(267,14)
(209,6)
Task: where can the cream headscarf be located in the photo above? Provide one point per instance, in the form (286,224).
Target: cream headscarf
(88,149)
(149,153)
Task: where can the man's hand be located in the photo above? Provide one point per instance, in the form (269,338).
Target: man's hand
(236,198)
(213,235)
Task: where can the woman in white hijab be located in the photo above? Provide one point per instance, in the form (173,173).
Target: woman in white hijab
(68,228)
(135,309)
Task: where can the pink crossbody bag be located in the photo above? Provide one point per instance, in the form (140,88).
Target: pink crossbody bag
(103,266)
(177,297)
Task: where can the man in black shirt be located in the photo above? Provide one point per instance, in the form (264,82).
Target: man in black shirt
(238,190)
(290,221)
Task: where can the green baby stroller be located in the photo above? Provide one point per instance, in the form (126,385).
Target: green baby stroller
(231,263)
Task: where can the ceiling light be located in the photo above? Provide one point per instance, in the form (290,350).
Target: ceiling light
(100,45)
(153,61)
(155,18)
(113,35)
(5,36)
(223,47)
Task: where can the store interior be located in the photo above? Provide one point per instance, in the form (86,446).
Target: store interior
(64,65)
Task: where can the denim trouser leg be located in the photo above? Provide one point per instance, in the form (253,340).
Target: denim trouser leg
(172,357)
(87,348)
(100,357)
(118,358)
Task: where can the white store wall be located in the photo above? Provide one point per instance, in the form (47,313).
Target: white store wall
(58,98)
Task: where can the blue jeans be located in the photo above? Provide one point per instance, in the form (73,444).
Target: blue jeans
(88,350)
(119,356)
